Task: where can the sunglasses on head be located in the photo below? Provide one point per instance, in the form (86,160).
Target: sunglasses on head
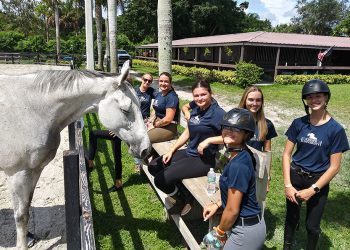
(147,80)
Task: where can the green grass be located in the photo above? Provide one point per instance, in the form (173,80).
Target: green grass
(133,219)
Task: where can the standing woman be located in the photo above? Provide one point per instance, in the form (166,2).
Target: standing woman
(253,100)
(320,142)
(169,169)
(241,216)
(166,107)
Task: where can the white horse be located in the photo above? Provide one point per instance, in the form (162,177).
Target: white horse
(35,108)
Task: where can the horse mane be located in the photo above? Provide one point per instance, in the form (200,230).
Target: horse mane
(51,80)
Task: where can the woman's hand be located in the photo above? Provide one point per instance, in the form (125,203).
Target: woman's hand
(305,194)
(112,134)
(167,157)
(290,193)
(201,146)
(209,211)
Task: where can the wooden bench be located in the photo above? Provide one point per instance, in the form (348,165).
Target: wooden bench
(198,188)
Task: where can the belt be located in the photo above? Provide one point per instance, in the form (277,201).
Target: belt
(248,221)
(302,172)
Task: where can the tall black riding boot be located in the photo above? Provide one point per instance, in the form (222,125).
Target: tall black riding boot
(312,240)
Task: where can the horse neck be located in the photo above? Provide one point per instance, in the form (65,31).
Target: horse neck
(67,106)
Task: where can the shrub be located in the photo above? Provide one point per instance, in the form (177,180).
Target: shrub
(32,44)
(9,40)
(247,74)
(301,79)
(224,76)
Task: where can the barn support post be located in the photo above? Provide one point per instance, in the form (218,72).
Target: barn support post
(72,201)
(277,62)
(241,58)
(196,54)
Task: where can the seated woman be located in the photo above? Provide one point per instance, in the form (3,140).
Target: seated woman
(241,215)
(166,106)
(169,169)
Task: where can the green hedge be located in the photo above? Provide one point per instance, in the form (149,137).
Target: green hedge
(223,76)
(301,79)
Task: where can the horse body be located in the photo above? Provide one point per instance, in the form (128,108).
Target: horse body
(35,108)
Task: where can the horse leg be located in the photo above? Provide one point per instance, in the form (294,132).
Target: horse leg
(22,186)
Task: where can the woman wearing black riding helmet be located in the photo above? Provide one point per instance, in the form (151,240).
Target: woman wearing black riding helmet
(320,142)
(241,214)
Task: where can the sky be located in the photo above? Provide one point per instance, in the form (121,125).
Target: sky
(277,11)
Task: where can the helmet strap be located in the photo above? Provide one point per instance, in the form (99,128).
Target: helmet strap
(306,107)
(232,149)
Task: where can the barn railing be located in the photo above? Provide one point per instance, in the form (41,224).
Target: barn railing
(79,223)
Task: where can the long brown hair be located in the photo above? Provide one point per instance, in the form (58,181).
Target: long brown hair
(260,116)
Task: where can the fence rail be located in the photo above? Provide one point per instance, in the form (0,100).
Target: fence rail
(79,223)
(36,58)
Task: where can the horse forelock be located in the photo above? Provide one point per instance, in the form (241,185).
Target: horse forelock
(51,80)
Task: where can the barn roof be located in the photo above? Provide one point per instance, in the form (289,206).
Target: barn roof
(262,38)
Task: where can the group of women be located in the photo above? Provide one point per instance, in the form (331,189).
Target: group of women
(319,140)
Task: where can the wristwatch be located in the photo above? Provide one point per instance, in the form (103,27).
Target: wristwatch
(315,188)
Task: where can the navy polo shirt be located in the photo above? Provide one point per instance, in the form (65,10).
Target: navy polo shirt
(145,100)
(161,103)
(271,133)
(315,144)
(202,125)
(239,174)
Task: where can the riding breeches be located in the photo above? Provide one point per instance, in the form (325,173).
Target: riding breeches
(116,144)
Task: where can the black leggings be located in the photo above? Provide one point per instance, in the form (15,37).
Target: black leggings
(181,166)
(116,144)
(314,206)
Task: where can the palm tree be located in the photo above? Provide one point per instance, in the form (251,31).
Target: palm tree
(98,21)
(57,24)
(89,35)
(165,35)
(112,24)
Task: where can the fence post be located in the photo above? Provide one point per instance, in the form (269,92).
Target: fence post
(72,201)
(12,59)
(71,134)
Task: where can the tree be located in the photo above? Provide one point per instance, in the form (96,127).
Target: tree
(57,24)
(90,61)
(112,25)
(343,28)
(252,22)
(98,22)
(165,35)
(319,17)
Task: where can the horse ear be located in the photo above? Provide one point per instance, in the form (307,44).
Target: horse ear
(123,73)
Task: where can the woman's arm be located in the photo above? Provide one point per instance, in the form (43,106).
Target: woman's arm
(267,148)
(178,144)
(211,140)
(186,111)
(167,119)
(232,209)
(332,171)
(289,190)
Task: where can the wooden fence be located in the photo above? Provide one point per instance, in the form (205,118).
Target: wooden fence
(79,223)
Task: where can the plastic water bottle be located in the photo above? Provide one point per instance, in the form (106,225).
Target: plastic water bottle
(211,187)
(210,241)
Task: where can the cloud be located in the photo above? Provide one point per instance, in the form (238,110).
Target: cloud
(279,11)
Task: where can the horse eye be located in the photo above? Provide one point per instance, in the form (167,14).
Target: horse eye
(125,112)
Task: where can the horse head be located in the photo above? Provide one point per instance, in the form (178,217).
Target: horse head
(120,113)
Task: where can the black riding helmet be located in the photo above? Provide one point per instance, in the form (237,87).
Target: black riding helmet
(241,119)
(312,87)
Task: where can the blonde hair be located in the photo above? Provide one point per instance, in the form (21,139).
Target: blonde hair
(260,116)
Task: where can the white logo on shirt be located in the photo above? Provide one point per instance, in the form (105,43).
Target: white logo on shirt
(195,120)
(311,139)
(143,99)
(155,103)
